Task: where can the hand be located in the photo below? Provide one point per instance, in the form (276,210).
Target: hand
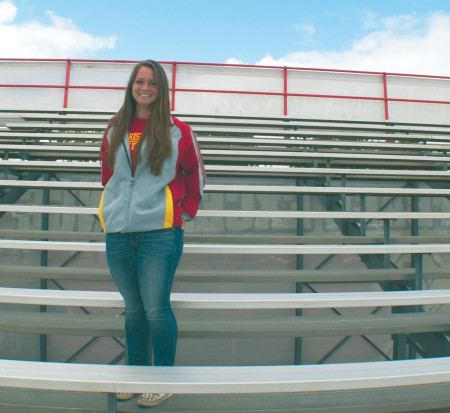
(183,224)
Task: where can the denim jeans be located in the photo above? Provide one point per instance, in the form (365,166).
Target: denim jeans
(143,265)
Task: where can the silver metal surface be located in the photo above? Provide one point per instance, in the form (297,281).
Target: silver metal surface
(193,248)
(231,300)
(222,380)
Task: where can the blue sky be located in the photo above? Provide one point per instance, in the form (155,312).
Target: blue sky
(393,35)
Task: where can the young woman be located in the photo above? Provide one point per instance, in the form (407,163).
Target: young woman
(153,177)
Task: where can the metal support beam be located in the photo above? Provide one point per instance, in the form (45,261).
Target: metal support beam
(299,286)
(417,263)
(44,263)
(363,208)
(112,402)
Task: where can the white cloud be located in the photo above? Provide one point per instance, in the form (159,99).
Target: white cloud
(234,61)
(7,12)
(400,44)
(402,22)
(61,38)
(306,29)
(370,21)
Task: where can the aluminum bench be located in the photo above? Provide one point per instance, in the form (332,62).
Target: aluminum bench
(338,387)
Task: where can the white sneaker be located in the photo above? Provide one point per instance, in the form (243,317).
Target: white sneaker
(152,399)
(124,396)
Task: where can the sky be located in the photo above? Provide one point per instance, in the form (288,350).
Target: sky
(394,36)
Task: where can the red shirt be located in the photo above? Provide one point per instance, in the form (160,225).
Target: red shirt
(135,132)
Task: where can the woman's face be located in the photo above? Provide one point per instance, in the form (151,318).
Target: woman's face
(144,90)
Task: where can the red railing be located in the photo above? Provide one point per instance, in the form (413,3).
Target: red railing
(285,93)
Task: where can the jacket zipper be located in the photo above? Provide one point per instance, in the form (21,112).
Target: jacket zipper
(131,183)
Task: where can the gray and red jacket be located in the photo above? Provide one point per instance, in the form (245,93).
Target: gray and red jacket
(148,202)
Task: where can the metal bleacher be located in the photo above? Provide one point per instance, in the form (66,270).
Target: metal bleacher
(310,229)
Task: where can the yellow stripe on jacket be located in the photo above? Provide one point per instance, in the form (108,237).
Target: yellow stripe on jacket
(100,213)
(168,220)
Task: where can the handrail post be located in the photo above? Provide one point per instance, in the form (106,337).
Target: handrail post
(66,84)
(385,95)
(285,91)
(174,77)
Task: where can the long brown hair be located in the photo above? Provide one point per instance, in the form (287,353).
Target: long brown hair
(156,134)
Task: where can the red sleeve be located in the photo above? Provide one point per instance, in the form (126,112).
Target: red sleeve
(106,171)
(194,173)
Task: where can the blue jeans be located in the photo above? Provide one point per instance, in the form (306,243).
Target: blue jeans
(143,265)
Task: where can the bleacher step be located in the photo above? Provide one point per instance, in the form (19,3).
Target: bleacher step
(375,401)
